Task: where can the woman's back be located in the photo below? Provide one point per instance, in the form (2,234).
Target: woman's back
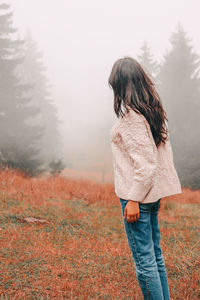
(141,170)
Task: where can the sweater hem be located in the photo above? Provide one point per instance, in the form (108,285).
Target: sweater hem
(153,195)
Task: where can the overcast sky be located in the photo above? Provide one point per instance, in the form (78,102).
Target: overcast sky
(82,39)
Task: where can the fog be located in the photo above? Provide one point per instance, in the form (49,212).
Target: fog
(80,41)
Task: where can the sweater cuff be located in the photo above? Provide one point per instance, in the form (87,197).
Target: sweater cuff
(138,192)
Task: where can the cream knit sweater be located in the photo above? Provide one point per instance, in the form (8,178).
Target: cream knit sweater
(142,172)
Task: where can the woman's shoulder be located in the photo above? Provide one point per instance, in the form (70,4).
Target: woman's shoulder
(132,119)
(131,124)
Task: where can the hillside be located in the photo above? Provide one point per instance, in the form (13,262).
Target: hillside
(80,250)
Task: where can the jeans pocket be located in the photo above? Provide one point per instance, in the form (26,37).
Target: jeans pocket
(123,201)
(145,207)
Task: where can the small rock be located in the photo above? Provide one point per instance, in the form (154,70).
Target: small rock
(35,220)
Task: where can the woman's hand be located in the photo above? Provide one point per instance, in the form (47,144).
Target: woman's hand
(131,211)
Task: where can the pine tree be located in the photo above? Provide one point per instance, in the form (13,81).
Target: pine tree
(179,84)
(17,138)
(32,71)
(147,60)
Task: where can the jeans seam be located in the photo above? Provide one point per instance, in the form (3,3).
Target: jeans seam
(145,278)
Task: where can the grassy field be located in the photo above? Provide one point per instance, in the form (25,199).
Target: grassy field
(81,252)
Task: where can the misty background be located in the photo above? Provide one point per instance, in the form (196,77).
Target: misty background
(55,59)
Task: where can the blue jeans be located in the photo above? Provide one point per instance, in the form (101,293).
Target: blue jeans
(144,242)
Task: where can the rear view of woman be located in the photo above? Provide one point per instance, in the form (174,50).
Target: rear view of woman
(144,170)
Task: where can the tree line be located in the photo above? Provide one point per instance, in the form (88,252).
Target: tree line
(29,135)
(178,82)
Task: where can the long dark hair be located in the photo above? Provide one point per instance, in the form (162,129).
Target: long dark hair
(132,86)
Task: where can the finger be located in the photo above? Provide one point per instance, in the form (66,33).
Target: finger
(137,217)
(128,219)
(134,218)
(131,219)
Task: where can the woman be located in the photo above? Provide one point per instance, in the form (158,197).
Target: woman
(144,170)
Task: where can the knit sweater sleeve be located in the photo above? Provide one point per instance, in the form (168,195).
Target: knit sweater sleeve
(139,146)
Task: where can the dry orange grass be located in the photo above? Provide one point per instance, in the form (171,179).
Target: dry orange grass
(91,175)
(82,253)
